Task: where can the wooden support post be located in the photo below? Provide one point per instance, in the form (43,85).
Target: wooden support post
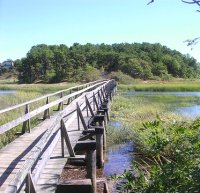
(47,111)
(104,140)
(27,124)
(105,188)
(90,148)
(91,168)
(29,184)
(104,135)
(99,142)
(60,105)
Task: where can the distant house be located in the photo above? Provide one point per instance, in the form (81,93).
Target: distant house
(8,64)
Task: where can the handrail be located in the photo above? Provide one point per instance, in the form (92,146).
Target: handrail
(48,95)
(35,153)
(23,118)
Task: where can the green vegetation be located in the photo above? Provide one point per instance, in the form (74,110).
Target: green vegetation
(87,62)
(38,88)
(151,85)
(24,93)
(167,157)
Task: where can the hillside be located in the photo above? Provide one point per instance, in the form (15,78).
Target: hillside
(55,63)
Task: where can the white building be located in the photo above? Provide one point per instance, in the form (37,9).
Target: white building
(8,64)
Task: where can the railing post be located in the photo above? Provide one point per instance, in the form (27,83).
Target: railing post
(62,138)
(86,106)
(27,124)
(47,111)
(60,105)
(94,101)
(78,120)
(100,99)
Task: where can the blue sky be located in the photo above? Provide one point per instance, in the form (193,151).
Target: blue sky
(24,23)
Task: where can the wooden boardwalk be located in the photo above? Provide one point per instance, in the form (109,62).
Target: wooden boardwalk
(34,161)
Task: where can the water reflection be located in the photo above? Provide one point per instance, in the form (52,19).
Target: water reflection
(116,124)
(5,92)
(153,93)
(119,158)
(190,112)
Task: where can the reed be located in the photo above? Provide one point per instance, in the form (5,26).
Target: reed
(168,144)
(173,85)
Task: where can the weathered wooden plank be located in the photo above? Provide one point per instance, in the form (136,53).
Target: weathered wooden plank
(80,181)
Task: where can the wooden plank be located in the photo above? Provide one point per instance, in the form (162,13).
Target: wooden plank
(78,182)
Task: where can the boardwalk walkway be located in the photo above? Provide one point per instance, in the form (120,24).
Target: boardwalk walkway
(34,161)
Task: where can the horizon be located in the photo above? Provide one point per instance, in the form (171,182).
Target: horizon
(50,22)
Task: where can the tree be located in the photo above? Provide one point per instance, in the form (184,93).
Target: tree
(56,63)
(197,2)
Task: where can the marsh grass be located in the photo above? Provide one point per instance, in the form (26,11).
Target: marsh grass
(40,88)
(168,143)
(118,135)
(173,85)
(133,111)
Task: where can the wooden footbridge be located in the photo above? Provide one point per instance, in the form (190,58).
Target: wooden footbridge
(34,161)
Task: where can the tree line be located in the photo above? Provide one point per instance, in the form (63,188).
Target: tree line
(56,63)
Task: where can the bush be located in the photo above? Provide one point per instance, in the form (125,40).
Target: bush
(122,78)
(174,155)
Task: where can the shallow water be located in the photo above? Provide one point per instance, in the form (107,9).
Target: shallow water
(119,157)
(192,110)
(5,92)
(151,93)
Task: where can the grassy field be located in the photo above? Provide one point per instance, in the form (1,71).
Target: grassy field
(173,85)
(39,88)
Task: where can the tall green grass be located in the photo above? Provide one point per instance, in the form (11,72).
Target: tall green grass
(168,144)
(175,85)
(42,88)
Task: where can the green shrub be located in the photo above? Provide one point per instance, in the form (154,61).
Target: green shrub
(122,78)
(174,154)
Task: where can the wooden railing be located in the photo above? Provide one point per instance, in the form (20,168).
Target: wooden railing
(25,119)
(92,94)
